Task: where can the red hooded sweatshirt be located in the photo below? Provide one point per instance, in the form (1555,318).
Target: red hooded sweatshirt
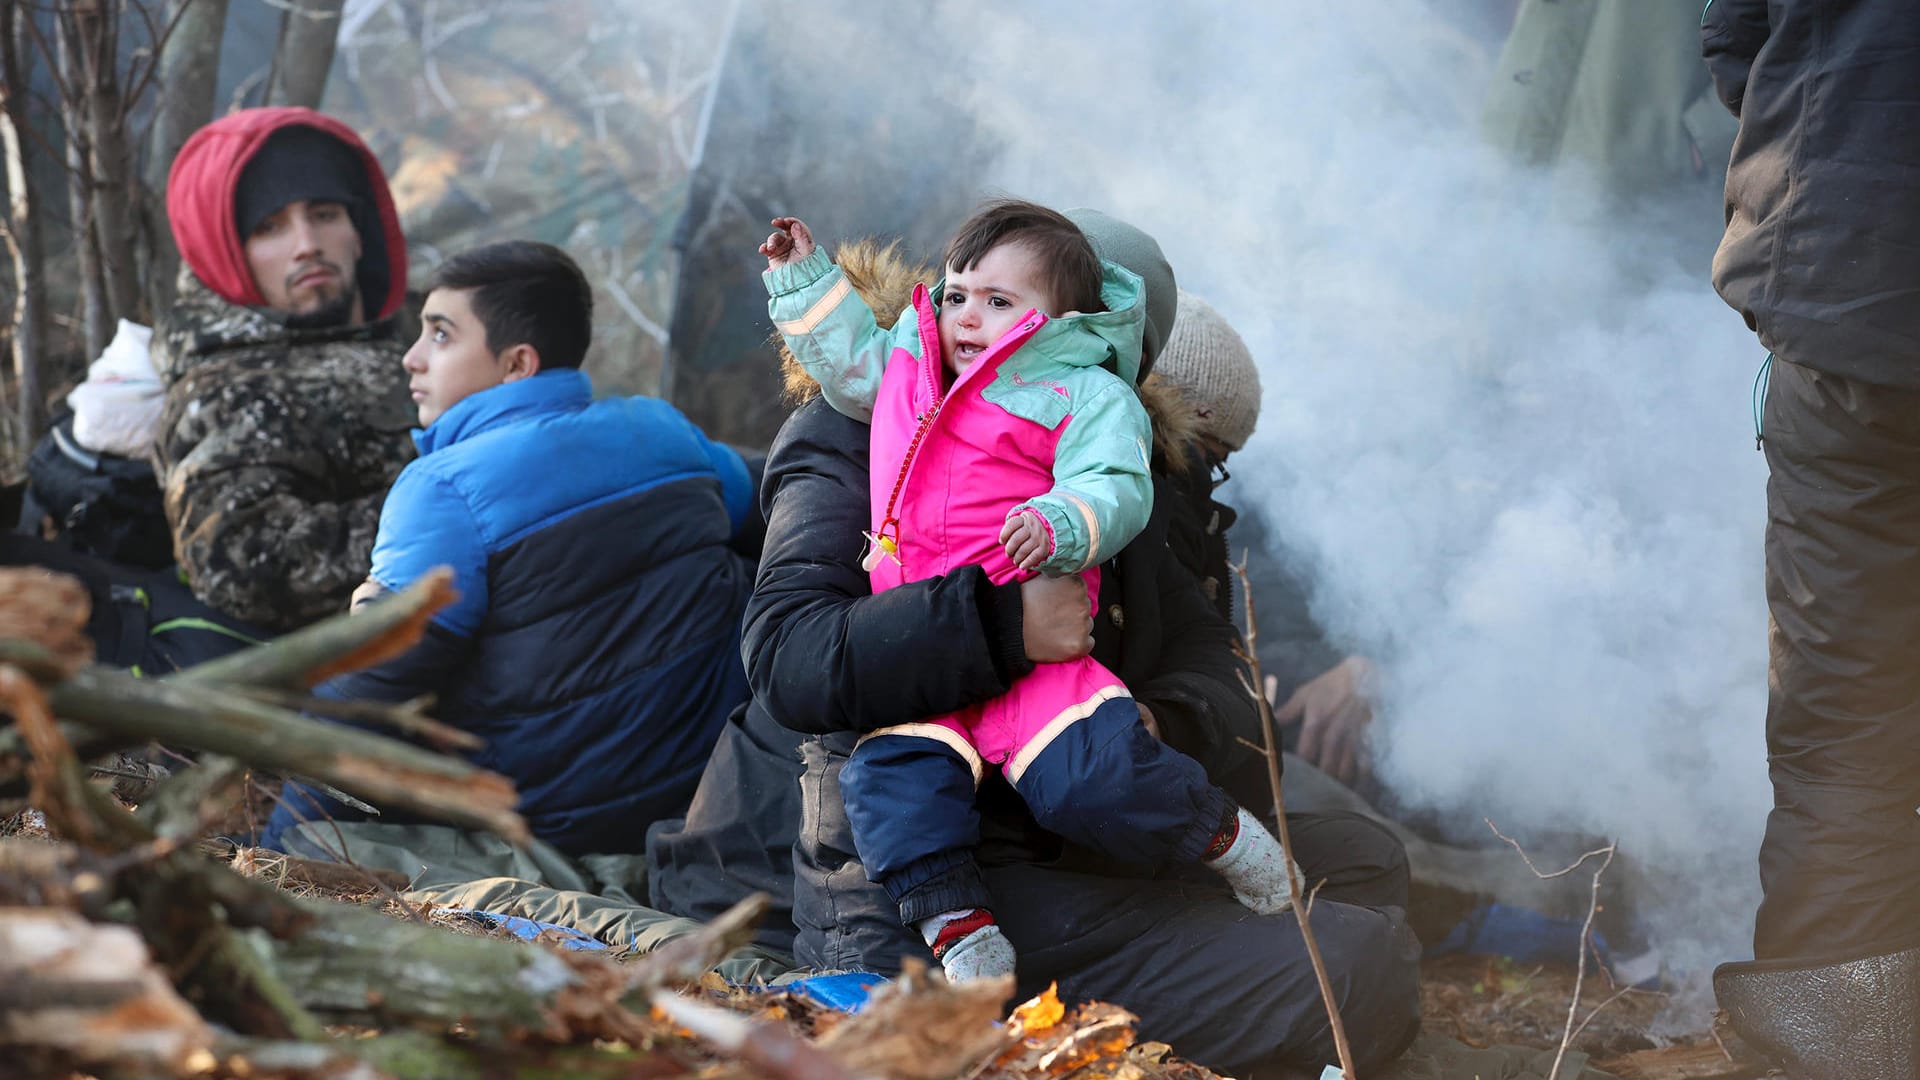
(200,192)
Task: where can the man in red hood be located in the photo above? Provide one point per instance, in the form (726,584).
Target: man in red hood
(287,413)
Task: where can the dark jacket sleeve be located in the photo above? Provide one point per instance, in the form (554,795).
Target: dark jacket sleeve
(1731,33)
(752,531)
(1198,691)
(822,653)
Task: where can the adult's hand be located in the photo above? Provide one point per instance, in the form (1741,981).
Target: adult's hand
(1055,618)
(1332,711)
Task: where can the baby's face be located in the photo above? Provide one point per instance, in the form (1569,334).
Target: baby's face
(981,304)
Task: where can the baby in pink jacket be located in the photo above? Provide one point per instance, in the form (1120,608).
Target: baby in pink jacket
(1006,433)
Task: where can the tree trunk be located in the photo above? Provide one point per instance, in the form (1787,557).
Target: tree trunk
(183,103)
(96,321)
(308,32)
(109,161)
(24,241)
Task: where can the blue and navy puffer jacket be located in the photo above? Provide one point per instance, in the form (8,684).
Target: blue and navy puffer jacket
(595,645)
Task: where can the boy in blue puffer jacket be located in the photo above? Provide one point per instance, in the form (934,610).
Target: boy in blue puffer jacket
(595,644)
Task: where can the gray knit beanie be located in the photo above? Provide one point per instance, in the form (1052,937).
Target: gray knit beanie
(1209,364)
(1117,241)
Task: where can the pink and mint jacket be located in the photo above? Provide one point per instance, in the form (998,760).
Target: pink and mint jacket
(1045,420)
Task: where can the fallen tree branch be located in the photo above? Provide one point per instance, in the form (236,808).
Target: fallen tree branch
(384,771)
(360,966)
(408,718)
(200,709)
(90,991)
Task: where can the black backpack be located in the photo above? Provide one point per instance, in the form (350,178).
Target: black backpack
(144,620)
(103,504)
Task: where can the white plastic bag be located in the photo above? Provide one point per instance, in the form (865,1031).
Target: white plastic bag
(117,410)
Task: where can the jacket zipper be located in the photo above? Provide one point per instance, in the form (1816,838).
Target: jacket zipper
(885,542)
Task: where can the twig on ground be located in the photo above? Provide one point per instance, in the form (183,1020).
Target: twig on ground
(1539,873)
(341,857)
(1616,996)
(1586,940)
(682,961)
(382,770)
(1271,751)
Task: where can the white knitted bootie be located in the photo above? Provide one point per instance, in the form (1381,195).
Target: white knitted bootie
(1256,866)
(968,944)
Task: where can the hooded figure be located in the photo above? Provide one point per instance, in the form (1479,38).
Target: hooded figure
(286,418)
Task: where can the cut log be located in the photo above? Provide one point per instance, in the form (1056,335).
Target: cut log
(90,992)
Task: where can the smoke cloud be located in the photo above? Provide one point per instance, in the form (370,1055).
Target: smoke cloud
(1507,428)
(1512,439)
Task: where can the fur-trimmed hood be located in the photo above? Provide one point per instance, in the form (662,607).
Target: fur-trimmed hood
(885,278)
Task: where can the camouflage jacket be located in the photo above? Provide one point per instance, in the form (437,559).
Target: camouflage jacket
(275,452)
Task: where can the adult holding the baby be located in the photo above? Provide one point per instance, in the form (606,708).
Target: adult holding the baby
(829,655)
(1006,433)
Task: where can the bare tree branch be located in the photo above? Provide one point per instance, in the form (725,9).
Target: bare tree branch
(1252,681)
(50,55)
(159,48)
(1586,939)
(1607,851)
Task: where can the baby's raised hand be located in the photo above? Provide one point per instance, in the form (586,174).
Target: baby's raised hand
(790,241)
(1026,538)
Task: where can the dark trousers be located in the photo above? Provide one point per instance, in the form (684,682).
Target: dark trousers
(1104,783)
(1231,989)
(1840,862)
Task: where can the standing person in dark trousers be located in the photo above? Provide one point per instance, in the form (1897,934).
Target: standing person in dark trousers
(1822,258)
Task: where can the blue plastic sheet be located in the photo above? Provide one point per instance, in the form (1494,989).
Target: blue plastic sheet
(528,929)
(847,992)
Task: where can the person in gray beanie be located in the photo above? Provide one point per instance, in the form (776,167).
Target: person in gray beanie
(1209,364)
(1206,389)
